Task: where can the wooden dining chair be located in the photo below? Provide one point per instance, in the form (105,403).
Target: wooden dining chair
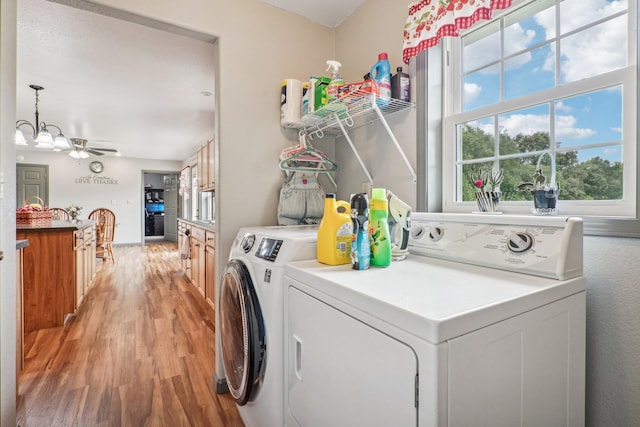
(59,214)
(105,230)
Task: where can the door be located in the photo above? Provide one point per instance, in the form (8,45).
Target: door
(341,371)
(32,180)
(171,207)
(242,333)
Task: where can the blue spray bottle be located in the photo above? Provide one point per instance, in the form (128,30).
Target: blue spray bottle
(381,73)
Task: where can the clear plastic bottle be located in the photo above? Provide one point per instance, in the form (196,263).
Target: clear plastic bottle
(379,228)
(334,232)
(336,80)
(360,246)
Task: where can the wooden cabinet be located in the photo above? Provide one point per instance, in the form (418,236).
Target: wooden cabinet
(201,267)
(206,166)
(85,258)
(19,315)
(198,258)
(55,274)
(210,269)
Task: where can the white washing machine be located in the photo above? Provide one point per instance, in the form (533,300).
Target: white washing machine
(482,325)
(251,317)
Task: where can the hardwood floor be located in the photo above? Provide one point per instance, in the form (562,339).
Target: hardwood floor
(140,352)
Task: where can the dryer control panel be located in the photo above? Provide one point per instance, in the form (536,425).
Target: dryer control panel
(541,246)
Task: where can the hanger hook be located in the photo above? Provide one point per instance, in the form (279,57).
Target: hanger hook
(319,133)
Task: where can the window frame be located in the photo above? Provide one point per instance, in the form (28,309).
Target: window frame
(599,212)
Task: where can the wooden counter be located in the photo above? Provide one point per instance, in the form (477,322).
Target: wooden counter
(53,286)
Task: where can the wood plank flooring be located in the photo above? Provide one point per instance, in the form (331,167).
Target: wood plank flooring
(140,352)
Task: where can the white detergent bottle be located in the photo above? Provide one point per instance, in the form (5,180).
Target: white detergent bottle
(336,81)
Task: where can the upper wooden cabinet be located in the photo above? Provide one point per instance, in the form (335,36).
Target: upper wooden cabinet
(206,166)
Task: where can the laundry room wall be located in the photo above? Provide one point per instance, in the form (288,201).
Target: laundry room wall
(376,27)
(118,187)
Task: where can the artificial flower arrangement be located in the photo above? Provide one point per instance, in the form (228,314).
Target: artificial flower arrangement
(74,211)
(545,195)
(487,186)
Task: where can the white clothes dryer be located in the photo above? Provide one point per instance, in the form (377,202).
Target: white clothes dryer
(251,317)
(482,325)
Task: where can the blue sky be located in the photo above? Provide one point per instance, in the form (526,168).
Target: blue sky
(586,119)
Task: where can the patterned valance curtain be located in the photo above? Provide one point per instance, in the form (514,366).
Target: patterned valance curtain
(430,20)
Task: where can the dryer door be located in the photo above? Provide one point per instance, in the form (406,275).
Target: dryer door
(242,332)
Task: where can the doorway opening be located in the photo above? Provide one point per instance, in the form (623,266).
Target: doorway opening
(160,206)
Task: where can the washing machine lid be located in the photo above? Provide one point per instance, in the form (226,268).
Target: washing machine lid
(242,333)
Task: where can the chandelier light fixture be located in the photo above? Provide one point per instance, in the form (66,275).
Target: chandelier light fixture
(41,130)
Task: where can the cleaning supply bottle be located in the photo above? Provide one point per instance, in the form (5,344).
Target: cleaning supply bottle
(381,73)
(334,232)
(336,80)
(400,86)
(360,249)
(379,229)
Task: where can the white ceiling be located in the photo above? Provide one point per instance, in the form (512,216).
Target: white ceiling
(329,13)
(118,84)
(123,85)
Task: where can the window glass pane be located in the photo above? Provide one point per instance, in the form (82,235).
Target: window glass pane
(594,51)
(481,47)
(529,72)
(593,174)
(524,130)
(477,139)
(529,26)
(577,13)
(481,88)
(595,117)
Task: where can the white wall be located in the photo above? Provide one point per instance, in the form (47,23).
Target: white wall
(374,28)
(68,185)
(7,213)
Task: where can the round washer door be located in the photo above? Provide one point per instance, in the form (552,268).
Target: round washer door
(242,333)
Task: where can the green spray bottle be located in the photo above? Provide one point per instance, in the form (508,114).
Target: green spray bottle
(379,228)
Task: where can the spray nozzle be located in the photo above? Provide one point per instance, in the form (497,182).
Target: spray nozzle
(333,64)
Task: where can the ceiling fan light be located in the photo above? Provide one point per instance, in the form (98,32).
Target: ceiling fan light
(75,154)
(61,142)
(44,139)
(20,139)
(83,155)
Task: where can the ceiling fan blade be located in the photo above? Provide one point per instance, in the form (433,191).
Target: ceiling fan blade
(107,150)
(92,151)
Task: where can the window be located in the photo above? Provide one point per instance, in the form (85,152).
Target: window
(556,76)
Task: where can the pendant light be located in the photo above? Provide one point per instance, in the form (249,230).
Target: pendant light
(40,130)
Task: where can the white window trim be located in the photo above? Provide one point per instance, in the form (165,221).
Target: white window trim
(600,209)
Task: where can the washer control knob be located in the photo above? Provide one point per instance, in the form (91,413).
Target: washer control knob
(520,242)
(436,234)
(247,242)
(417,232)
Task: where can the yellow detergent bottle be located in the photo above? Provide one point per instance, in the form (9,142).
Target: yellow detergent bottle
(334,233)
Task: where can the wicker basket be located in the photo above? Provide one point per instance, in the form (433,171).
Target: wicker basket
(42,217)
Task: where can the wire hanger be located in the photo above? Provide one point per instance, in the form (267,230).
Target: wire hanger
(305,158)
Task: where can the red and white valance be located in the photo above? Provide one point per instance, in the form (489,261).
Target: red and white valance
(430,20)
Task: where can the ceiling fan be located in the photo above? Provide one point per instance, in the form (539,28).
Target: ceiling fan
(80,150)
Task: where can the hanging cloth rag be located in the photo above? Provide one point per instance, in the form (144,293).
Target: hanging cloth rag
(430,20)
(301,199)
(185,253)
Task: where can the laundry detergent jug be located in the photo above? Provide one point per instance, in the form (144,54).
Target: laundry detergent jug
(334,232)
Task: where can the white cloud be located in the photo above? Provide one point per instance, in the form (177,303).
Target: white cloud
(560,106)
(592,51)
(528,124)
(471,92)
